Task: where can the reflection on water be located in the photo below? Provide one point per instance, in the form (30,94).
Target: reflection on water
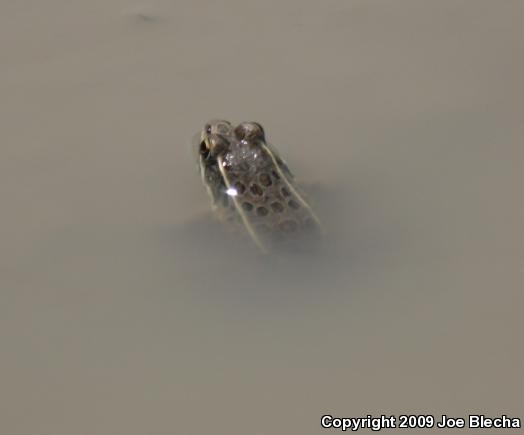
(126,308)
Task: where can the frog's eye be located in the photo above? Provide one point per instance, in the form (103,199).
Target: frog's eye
(249,131)
(207,129)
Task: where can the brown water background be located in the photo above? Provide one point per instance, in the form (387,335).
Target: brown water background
(125,310)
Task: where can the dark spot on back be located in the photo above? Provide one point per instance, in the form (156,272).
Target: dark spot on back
(256,189)
(275,174)
(285,192)
(247,206)
(239,187)
(265,180)
(277,207)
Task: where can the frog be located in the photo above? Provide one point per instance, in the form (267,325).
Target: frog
(251,188)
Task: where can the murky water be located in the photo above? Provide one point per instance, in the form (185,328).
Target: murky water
(124,309)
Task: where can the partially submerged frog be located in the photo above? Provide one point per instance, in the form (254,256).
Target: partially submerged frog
(252,188)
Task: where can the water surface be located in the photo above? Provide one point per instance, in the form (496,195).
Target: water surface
(125,310)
